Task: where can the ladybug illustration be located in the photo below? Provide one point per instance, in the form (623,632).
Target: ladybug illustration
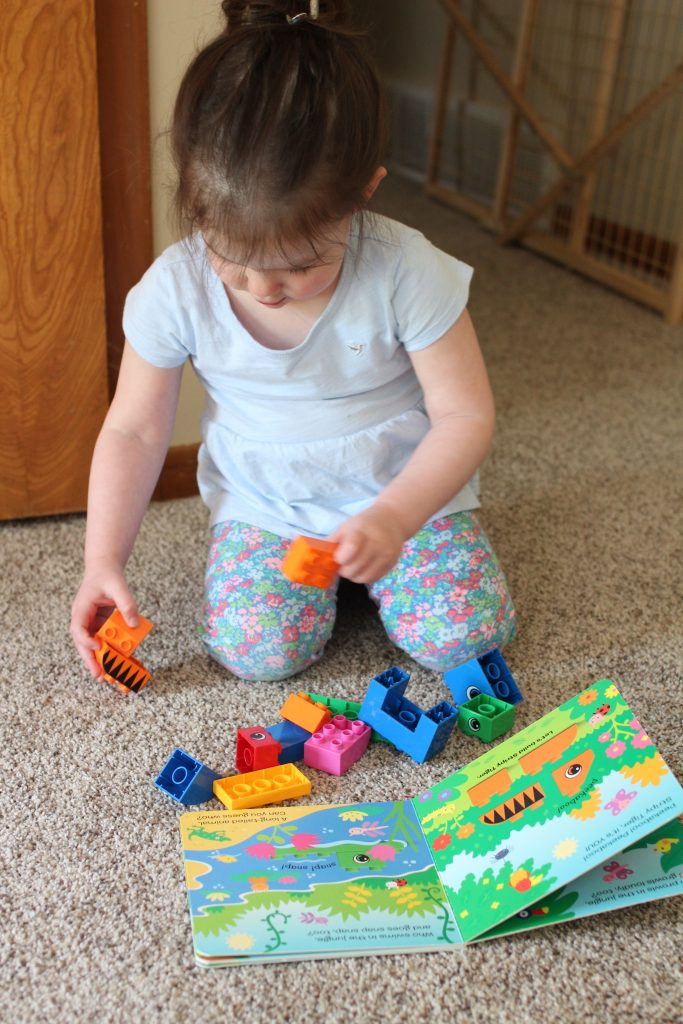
(600,713)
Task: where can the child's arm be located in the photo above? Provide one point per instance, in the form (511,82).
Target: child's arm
(460,407)
(127,460)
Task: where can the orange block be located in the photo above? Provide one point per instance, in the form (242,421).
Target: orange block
(117,642)
(300,709)
(267,786)
(311,562)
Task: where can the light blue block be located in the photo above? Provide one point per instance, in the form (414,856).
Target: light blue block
(487,674)
(421,734)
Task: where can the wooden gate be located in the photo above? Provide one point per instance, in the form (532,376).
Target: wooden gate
(590,165)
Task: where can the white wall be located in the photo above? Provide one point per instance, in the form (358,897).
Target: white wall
(176,30)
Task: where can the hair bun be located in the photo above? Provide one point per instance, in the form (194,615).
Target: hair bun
(330,13)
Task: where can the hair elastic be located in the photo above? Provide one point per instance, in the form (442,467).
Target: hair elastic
(312,14)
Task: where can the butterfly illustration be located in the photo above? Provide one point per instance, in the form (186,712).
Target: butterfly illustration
(621,801)
(373,829)
(308,918)
(615,870)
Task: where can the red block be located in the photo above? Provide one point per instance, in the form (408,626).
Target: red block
(256,749)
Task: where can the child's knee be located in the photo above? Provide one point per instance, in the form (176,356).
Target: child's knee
(263,666)
(446,641)
(274,655)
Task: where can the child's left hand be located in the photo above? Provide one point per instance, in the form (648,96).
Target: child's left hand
(369,544)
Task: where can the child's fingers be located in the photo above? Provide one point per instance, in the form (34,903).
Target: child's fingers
(124,601)
(349,548)
(86,649)
(358,568)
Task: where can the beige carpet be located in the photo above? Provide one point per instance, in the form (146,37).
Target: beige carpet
(583,503)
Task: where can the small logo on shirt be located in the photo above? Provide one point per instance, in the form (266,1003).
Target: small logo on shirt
(358,349)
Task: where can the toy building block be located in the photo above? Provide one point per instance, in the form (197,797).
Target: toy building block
(311,562)
(185,779)
(488,674)
(267,786)
(421,734)
(486,717)
(348,708)
(338,745)
(300,709)
(291,738)
(500,677)
(256,749)
(117,642)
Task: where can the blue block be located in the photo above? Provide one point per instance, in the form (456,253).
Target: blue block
(488,674)
(421,734)
(467,681)
(185,779)
(500,677)
(292,738)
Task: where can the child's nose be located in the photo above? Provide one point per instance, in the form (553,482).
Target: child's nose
(263,286)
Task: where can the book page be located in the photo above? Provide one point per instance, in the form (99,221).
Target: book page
(292,882)
(545,806)
(650,869)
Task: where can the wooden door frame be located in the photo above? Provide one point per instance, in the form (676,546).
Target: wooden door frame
(126,175)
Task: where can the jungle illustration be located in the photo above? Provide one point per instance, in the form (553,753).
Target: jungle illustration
(360,875)
(530,814)
(646,870)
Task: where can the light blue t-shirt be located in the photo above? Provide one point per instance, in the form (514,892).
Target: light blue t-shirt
(297,440)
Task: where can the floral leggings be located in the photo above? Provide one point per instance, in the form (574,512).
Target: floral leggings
(444,602)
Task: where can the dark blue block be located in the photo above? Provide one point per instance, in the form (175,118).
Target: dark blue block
(292,738)
(185,779)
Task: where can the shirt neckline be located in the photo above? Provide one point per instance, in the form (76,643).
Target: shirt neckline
(335,299)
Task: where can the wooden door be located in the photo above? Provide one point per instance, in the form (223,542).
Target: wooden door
(53,346)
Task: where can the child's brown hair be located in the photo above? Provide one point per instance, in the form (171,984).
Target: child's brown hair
(279,126)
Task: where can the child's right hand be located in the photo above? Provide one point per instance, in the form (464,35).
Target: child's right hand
(102,589)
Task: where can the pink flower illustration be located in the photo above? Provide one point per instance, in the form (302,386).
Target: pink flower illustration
(287,880)
(635,724)
(615,749)
(262,851)
(605,737)
(383,851)
(305,840)
(641,740)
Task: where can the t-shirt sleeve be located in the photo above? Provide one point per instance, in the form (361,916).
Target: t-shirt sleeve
(431,290)
(153,320)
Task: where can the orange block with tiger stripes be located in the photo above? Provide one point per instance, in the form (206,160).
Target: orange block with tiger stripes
(117,642)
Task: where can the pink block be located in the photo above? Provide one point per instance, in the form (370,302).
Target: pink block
(337,746)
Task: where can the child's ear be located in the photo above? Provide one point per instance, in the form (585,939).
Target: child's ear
(371,187)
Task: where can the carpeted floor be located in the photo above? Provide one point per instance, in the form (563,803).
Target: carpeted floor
(582,499)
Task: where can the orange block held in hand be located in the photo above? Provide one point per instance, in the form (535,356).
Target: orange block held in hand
(311,562)
(117,641)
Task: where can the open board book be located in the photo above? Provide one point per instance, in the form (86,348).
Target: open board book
(574,815)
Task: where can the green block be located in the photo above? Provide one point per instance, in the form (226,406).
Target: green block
(348,708)
(486,717)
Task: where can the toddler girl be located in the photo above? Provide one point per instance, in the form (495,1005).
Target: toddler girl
(346,396)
